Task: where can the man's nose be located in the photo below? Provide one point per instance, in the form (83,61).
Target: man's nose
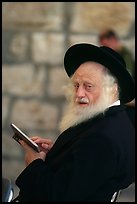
(80,92)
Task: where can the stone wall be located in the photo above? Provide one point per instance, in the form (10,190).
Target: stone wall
(35,36)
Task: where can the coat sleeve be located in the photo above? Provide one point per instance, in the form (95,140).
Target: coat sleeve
(85,170)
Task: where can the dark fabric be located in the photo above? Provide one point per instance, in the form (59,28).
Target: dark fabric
(87,163)
(131,113)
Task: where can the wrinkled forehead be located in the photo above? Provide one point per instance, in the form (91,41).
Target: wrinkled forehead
(89,69)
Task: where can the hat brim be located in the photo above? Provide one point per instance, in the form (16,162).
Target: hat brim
(83,52)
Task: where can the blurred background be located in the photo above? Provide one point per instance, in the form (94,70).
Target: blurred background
(35,36)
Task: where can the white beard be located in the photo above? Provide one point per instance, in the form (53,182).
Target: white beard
(75,114)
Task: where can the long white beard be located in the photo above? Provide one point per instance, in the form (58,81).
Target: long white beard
(75,114)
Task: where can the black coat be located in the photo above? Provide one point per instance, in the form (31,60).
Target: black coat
(87,163)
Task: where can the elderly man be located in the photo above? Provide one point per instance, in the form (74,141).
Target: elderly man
(94,156)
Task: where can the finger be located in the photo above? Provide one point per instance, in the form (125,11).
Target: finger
(35,137)
(41,140)
(45,146)
(25,145)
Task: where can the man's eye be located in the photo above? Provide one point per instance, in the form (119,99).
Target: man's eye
(89,87)
(76,86)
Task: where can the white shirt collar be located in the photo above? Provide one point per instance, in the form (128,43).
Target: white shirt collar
(116,103)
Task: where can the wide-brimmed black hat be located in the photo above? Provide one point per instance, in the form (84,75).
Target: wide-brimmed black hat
(83,52)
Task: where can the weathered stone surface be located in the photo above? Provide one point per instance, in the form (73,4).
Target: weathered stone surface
(48,48)
(32,15)
(95,16)
(34,114)
(21,80)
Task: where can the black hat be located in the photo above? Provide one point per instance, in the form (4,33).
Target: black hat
(83,52)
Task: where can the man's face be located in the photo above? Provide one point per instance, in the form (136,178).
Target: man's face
(109,42)
(92,93)
(87,82)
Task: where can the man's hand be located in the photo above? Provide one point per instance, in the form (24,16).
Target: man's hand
(44,143)
(31,155)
